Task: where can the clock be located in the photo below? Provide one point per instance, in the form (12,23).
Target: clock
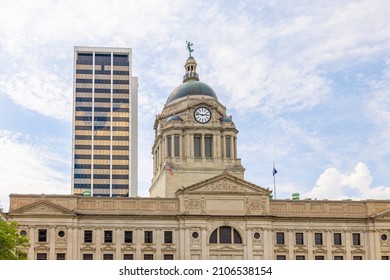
(202,115)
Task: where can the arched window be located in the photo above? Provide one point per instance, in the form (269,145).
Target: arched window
(225,235)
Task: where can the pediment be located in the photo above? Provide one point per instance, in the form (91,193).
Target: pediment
(224,183)
(42,207)
(384,215)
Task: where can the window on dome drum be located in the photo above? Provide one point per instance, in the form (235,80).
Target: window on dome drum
(177,146)
(339,258)
(225,235)
(169,144)
(356,239)
(300,257)
(228,147)
(42,235)
(337,238)
(281,257)
(385,258)
(208,142)
(168,237)
(280,238)
(108,236)
(299,238)
(197,146)
(318,238)
(357,258)
(319,258)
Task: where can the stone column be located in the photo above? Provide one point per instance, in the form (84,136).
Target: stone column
(158,241)
(118,239)
(348,244)
(205,250)
(52,243)
(33,240)
(187,244)
(310,247)
(98,241)
(268,244)
(249,245)
(138,240)
(290,241)
(329,244)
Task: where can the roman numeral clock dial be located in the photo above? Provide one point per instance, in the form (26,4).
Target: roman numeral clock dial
(202,115)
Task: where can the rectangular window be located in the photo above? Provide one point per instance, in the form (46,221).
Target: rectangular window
(281,257)
(168,257)
(87,236)
(228,147)
(128,256)
(300,258)
(108,257)
(299,238)
(280,238)
(337,238)
(148,237)
(148,257)
(177,146)
(357,258)
(61,256)
(41,256)
(42,235)
(108,236)
(169,143)
(197,146)
(168,237)
(318,238)
(385,258)
(356,239)
(87,257)
(208,142)
(319,258)
(338,258)
(128,236)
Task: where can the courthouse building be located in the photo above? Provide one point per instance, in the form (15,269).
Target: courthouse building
(200,206)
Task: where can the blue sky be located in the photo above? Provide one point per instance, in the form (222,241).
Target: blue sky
(307,84)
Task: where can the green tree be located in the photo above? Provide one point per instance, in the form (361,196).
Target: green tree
(11,242)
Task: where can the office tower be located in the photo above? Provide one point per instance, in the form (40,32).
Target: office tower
(104,157)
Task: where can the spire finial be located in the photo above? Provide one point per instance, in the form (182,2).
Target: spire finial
(189,45)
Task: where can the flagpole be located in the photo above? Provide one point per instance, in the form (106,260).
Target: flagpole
(273,173)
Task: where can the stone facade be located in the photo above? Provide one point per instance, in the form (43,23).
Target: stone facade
(223,217)
(201,207)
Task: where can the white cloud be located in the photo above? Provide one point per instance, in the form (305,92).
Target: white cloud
(27,168)
(332,184)
(40,91)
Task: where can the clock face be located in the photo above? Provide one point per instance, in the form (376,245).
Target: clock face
(202,115)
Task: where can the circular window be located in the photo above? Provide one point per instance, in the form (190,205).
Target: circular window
(256,235)
(61,233)
(23,232)
(195,235)
(384,237)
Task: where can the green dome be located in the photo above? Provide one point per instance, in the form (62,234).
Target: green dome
(191,88)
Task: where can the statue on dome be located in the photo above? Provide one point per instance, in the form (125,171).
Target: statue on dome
(189,45)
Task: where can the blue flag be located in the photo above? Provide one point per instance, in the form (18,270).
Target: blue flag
(274,172)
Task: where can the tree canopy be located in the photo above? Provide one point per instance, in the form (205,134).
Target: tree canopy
(11,242)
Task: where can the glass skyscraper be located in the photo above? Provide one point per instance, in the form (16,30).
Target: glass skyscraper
(104,158)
